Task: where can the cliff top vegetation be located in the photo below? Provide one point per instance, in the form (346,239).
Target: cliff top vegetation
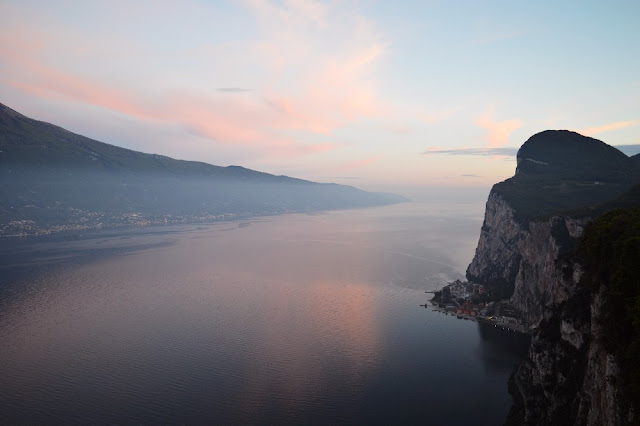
(560,171)
(610,247)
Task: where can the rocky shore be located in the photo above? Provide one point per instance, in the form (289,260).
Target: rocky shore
(471,302)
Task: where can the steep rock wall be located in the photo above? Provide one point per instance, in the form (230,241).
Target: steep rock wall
(497,257)
(539,286)
(568,377)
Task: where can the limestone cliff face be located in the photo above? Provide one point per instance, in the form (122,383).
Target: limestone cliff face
(539,285)
(524,257)
(568,378)
(497,257)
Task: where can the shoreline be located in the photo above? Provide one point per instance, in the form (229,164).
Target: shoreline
(509,327)
(468,301)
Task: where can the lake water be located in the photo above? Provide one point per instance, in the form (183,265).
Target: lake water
(286,319)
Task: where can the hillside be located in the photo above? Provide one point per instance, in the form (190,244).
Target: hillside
(54,180)
(25,142)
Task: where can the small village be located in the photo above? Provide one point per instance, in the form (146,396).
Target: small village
(471,301)
(80,221)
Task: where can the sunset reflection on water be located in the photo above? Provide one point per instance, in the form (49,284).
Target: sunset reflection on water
(290,319)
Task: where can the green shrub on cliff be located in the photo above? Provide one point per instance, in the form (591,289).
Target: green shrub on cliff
(610,247)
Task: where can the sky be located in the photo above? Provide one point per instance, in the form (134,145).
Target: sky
(380,95)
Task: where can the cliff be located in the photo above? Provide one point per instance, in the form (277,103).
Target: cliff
(518,261)
(585,345)
(530,252)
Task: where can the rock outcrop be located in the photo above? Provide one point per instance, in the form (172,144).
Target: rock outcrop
(497,258)
(570,375)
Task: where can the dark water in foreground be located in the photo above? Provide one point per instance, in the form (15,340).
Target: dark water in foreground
(289,319)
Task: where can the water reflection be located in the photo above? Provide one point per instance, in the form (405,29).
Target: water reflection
(301,344)
(500,349)
(292,319)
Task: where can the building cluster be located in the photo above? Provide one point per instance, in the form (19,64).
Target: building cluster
(467,291)
(469,308)
(470,301)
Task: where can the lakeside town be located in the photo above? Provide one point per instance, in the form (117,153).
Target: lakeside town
(77,220)
(471,301)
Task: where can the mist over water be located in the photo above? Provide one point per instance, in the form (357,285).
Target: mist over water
(294,318)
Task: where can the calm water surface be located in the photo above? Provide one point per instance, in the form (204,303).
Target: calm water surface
(288,319)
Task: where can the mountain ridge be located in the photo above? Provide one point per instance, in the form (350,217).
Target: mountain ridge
(33,134)
(54,180)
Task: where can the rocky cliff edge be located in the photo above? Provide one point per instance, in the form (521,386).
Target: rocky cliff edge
(570,376)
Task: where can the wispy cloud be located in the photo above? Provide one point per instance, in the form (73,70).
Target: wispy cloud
(498,132)
(486,152)
(509,152)
(333,86)
(335,83)
(590,131)
(497,135)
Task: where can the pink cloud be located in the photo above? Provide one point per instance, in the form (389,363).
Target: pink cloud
(222,119)
(205,118)
(590,131)
(498,132)
(333,86)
